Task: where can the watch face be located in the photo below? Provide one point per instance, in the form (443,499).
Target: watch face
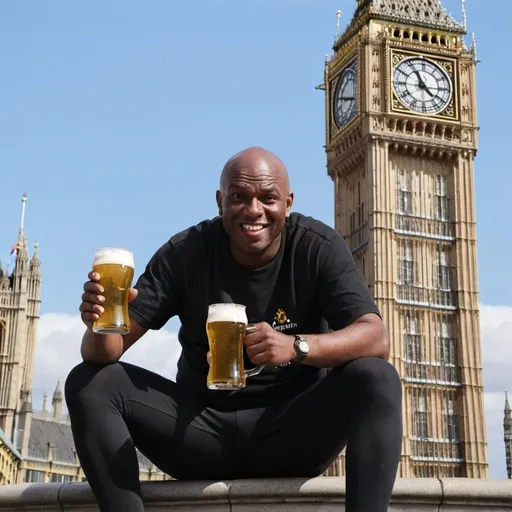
(304,347)
(345,96)
(422,85)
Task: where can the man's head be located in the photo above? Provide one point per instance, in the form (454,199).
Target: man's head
(254,200)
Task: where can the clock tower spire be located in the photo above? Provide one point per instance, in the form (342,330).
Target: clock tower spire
(401,139)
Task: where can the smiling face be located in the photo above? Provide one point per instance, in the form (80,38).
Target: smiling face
(254,200)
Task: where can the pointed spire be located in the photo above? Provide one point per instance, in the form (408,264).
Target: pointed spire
(508,409)
(43,412)
(4,278)
(337,33)
(35,262)
(35,256)
(57,402)
(464,15)
(57,394)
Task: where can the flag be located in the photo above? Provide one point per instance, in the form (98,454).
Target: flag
(14,249)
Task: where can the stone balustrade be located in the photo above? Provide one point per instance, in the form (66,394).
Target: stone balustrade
(323,494)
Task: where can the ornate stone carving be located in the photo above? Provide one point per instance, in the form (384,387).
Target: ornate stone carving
(448,67)
(378,124)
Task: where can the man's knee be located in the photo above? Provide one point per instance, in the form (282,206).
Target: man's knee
(373,375)
(87,379)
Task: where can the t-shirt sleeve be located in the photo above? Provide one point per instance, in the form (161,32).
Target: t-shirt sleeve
(343,295)
(159,288)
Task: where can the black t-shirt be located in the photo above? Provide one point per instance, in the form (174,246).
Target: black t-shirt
(310,287)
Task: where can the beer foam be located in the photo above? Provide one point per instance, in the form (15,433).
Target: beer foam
(113,255)
(227,313)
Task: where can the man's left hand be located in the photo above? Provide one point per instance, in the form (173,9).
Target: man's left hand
(266,345)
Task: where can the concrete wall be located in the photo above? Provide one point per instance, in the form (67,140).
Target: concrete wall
(324,494)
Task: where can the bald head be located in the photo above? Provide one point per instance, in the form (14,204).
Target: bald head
(254,201)
(253,161)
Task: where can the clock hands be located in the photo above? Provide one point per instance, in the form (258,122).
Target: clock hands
(345,97)
(422,85)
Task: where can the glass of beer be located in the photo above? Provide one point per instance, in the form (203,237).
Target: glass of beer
(115,267)
(226,327)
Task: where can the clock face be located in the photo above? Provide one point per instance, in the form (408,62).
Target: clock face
(345,97)
(422,85)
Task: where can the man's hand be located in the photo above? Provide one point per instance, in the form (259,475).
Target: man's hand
(91,307)
(266,345)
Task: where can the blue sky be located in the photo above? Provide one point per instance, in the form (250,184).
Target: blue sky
(117,116)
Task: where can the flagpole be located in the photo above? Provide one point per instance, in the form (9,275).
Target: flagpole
(23,204)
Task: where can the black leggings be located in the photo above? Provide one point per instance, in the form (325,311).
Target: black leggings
(118,407)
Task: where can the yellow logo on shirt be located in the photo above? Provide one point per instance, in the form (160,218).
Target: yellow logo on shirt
(281,317)
(282,322)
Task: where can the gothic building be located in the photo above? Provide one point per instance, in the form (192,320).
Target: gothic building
(401,138)
(34,446)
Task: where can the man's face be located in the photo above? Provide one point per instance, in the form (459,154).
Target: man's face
(254,201)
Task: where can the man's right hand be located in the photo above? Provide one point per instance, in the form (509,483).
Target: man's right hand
(92,299)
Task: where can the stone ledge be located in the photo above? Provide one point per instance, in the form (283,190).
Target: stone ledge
(323,494)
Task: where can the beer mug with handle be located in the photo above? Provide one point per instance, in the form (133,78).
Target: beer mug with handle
(115,267)
(226,327)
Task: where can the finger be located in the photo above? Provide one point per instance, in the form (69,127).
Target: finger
(93,298)
(209,358)
(92,287)
(132,294)
(259,358)
(93,276)
(87,307)
(254,338)
(89,318)
(250,328)
(256,350)
(258,326)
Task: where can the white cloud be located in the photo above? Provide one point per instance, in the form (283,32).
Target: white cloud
(496,329)
(58,350)
(496,325)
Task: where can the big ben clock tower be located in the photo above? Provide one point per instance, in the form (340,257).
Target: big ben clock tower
(401,138)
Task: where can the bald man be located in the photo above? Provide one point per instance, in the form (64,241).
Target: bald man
(325,383)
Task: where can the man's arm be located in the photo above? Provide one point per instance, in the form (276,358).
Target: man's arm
(349,308)
(345,302)
(366,337)
(155,299)
(109,348)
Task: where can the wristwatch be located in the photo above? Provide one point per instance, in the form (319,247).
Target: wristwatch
(301,346)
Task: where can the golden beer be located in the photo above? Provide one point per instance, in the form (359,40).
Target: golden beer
(115,268)
(225,327)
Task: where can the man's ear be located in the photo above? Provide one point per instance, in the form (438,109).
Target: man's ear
(289,203)
(218,197)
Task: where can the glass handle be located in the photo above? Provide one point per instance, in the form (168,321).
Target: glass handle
(257,369)
(254,371)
